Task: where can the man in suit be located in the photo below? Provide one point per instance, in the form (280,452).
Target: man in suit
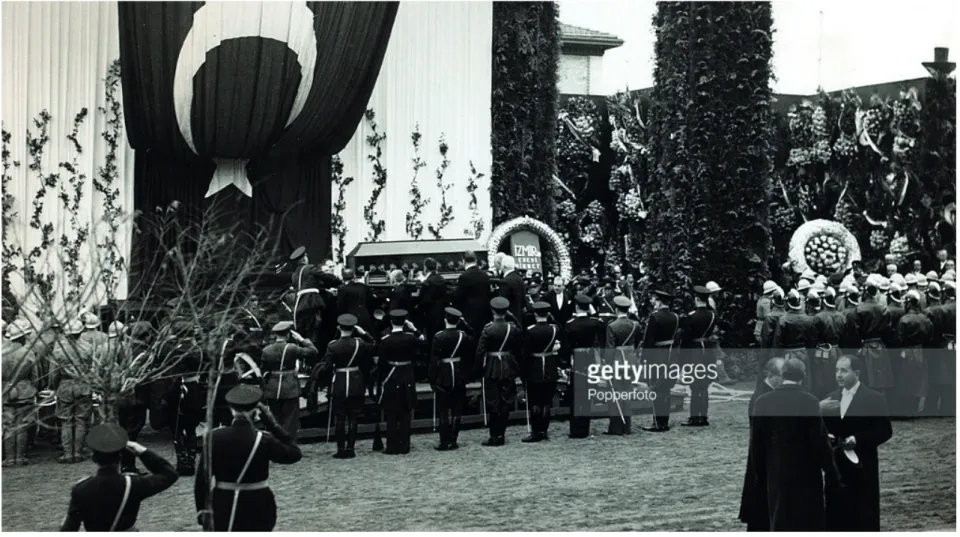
(354,297)
(561,302)
(857,420)
(753,510)
(512,288)
(472,295)
(433,300)
(789,454)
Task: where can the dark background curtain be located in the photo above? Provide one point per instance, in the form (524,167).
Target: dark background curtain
(242,97)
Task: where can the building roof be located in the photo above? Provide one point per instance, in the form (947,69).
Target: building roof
(575,35)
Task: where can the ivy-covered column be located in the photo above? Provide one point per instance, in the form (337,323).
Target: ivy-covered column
(710,154)
(526,57)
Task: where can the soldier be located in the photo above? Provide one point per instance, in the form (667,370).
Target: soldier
(603,302)
(19,373)
(348,363)
(763,308)
(238,458)
(914,332)
(828,331)
(92,334)
(583,335)
(448,375)
(942,368)
(308,303)
(796,333)
(399,351)
(282,360)
(658,341)
(933,294)
(110,500)
(540,370)
(187,395)
(74,398)
(623,336)
(868,324)
(700,349)
(498,347)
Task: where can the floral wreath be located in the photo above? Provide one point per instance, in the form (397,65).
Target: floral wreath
(501,232)
(824,246)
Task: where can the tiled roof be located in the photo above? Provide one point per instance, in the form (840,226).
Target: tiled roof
(575,35)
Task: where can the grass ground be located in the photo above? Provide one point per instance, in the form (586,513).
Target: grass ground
(686,479)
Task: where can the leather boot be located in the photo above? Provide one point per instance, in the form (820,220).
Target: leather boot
(455,433)
(352,427)
(340,434)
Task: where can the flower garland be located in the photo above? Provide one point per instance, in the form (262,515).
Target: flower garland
(476,222)
(417,203)
(375,140)
(338,224)
(446,211)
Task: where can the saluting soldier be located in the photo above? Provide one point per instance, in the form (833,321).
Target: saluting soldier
(540,370)
(700,348)
(399,351)
(348,363)
(308,303)
(603,302)
(659,338)
(109,500)
(828,330)
(281,363)
(583,336)
(239,497)
(795,334)
(448,372)
(498,347)
(623,336)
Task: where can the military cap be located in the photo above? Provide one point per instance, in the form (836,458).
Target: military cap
(244,396)
(830,296)
(116,328)
(821,279)
(932,276)
(884,284)
(398,314)
(769,286)
(298,253)
(622,301)
(701,290)
(663,294)
(74,327)
(898,279)
(282,326)
(540,306)
(583,300)
(949,276)
(18,329)
(499,303)
(453,312)
(713,287)
(107,438)
(347,320)
(950,286)
(912,296)
(853,290)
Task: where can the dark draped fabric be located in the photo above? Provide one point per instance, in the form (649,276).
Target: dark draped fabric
(238,98)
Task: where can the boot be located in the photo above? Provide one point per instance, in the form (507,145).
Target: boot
(455,433)
(494,429)
(340,433)
(545,423)
(535,425)
(392,441)
(352,427)
(692,421)
(405,421)
(185,461)
(444,444)
(79,436)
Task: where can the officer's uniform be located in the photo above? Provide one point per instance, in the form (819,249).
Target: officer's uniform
(74,398)
(281,386)
(796,333)
(623,337)
(700,350)
(583,335)
(829,328)
(399,351)
(942,367)
(109,500)
(239,458)
(498,347)
(187,396)
(540,370)
(603,302)
(659,354)
(447,373)
(307,303)
(19,393)
(914,332)
(347,363)
(868,324)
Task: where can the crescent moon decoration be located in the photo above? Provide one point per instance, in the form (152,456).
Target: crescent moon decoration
(216,22)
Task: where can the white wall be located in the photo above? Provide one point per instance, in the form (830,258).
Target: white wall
(437,71)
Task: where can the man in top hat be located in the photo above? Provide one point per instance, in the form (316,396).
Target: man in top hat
(238,458)
(74,397)
(796,333)
(348,363)
(498,348)
(829,328)
(583,335)
(281,361)
(658,344)
(400,350)
(856,418)
(19,371)
(623,337)
(308,303)
(700,348)
(110,500)
(869,323)
(540,370)
(448,372)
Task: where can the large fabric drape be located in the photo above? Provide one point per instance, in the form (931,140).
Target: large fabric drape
(256,95)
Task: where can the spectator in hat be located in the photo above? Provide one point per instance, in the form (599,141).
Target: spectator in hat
(282,360)
(19,371)
(110,500)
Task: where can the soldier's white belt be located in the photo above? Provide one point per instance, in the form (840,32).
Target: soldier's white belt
(242,487)
(543,354)
(450,360)
(399,364)
(347,369)
(624,348)
(663,343)
(309,291)
(195,378)
(498,354)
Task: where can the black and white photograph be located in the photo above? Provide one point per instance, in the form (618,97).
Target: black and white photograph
(478,266)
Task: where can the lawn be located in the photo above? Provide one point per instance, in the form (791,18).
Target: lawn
(686,479)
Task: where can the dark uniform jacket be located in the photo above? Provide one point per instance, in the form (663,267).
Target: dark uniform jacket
(399,351)
(450,359)
(770,326)
(472,297)
(433,300)
(19,374)
(280,368)
(511,288)
(346,366)
(306,282)
(95,501)
(581,332)
(540,363)
(659,337)
(896,312)
(869,320)
(355,298)
(697,342)
(498,350)
(794,330)
(604,306)
(829,327)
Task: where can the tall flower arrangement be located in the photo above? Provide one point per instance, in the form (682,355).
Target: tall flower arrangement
(628,115)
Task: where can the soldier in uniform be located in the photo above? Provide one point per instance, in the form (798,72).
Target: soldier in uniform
(700,348)
(583,335)
(187,395)
(281,385)
(795,334)
(658,341)
(238,457)
(132,411)
(110,500)
(308,303)
(348,362)
(869,322)
(914,332)
(777,310)
(19,373)
(498,347)
(942,365)
(623,336)
(829,327)
(74,398)
(92,334)
(399,351)
(539,370)
(603,302)
(447,373)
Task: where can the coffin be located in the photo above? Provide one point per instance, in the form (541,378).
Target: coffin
(378,258)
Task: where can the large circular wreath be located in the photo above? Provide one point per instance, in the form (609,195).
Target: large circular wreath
(824,246)
(501,232)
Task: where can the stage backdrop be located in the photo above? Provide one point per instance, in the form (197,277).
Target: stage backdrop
(55,58)
(437,72)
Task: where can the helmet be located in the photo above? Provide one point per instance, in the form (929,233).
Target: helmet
(19,328)
(115,330)
(91,321)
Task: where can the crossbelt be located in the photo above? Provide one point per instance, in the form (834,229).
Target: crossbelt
(399,364)
(454,359)
(195,378)
(450,360)
(347,369)
(242,487)
(498,354)
(308,291)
